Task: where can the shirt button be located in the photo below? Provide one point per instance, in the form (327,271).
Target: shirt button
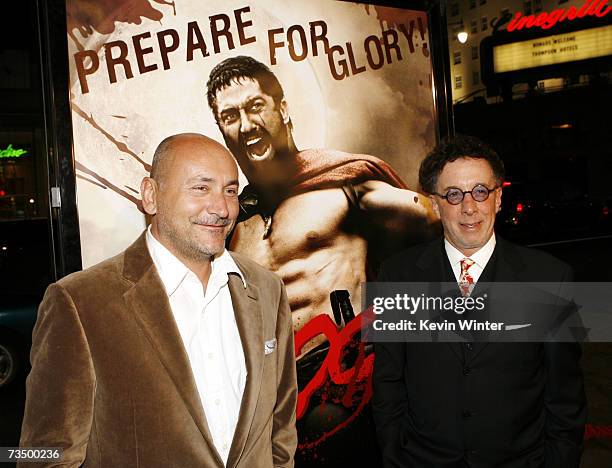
(224,446)
(469,346)
(217,402)
(210,355)
(467,371)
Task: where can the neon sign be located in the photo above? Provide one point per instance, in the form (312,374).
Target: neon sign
(10,152)
(548,20)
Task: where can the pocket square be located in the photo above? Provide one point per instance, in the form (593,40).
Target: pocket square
(270,346)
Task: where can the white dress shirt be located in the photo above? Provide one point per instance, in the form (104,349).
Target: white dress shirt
(206,322)
(481,258)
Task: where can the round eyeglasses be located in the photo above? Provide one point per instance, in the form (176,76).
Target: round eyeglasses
(479,193)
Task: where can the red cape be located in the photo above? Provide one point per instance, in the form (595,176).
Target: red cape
(322,168)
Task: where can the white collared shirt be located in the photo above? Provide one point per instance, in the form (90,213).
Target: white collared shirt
(481,258)
(207,324)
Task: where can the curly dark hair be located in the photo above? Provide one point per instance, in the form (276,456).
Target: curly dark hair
(451,149)
(240,68)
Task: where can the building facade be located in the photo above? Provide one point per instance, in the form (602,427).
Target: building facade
(480,19)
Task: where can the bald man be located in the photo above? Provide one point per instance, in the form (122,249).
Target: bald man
(174,353)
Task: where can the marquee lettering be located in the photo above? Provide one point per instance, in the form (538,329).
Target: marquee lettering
(597,8)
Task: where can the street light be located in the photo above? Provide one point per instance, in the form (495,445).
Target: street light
(461,33)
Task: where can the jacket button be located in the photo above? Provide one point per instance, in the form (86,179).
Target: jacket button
(467,371)
(469,346)
(467,414)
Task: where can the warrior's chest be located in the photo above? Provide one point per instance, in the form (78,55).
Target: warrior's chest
(303,221)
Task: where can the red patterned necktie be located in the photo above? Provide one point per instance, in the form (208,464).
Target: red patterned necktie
(466,282)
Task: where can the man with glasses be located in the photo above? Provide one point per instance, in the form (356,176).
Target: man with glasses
(475,404)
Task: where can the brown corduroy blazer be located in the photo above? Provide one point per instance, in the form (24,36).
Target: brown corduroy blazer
(111,381)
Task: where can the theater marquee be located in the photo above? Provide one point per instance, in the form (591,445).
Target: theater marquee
(550,50)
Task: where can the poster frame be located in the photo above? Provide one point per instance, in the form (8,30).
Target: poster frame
(58,136)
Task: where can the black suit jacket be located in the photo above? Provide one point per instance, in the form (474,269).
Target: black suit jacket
(453,405)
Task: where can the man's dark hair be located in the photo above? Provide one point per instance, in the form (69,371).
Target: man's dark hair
(239,68)
(451,149)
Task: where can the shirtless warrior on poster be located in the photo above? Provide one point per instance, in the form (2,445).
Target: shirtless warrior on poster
(318,218)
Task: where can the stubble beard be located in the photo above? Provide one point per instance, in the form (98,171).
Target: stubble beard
(186,245)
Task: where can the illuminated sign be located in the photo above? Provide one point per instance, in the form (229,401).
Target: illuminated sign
(10,152)
(550,50)
(598,8)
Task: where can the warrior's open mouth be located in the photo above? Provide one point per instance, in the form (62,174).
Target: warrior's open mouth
(258,147)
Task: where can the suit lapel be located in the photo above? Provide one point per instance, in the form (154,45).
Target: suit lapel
(151,308)
(249,318)
(509,263)
(436,268)
(503,267)
(487,276)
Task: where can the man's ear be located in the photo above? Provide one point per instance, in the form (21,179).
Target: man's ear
(148,191)
(498,199)
(284,110)
(434,205)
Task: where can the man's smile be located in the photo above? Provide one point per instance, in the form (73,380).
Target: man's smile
(211,227)
(471,226)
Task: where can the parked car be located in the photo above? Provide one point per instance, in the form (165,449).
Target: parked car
(551,210)
(17,318)
(24,274)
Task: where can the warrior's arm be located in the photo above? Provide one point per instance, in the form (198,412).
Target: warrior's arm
(400,211)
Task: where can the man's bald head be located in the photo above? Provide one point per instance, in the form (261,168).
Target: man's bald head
(192,197)
(171,146)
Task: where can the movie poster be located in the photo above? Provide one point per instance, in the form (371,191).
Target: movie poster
(353,114)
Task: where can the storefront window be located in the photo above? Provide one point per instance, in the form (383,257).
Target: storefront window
(18,186)
(26,260)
